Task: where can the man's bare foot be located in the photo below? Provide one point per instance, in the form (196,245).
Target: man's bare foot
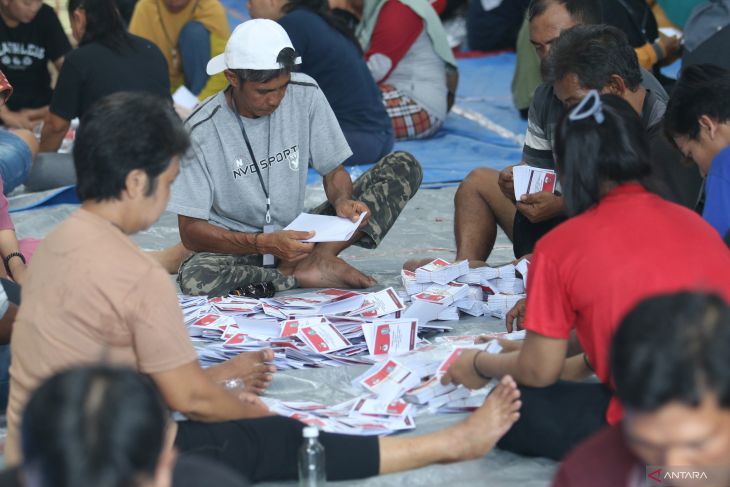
(319,270)
(477,435)
(171,257)
(253,368)
(413,264)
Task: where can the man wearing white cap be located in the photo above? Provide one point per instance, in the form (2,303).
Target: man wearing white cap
(245,177)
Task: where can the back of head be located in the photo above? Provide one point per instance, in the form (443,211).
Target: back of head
(673,348)
(581,11)
(104,23)
(322,8)
(594,53)
(702,89)
(591,155)
(123,132)
(93,427)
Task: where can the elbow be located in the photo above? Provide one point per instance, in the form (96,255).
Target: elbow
(538,376)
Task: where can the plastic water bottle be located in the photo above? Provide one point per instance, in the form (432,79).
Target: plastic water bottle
(311,460)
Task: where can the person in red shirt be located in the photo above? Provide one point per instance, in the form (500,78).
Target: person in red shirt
(622,244)
(669,365)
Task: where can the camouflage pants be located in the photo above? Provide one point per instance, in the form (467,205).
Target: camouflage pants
(386,188)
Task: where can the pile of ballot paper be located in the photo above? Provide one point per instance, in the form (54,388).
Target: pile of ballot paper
(329,327)
(441,290)
(397,389)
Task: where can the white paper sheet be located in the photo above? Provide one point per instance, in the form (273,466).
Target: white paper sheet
(325,228)
(185,98)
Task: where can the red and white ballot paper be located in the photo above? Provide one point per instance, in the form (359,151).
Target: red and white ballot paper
(391,337)
(529,180)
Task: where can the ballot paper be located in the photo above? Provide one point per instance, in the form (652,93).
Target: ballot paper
(390,337)
(323,337)
(671,32)
(326,228)
(522,267)
(373,406)
(498,305)
(185,98)
(442,272)
(529,180)
(411,285)
(379,304)
(424,392)
(389,380)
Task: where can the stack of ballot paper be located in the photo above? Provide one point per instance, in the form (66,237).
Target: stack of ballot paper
(529,180)
(326,228)
(440,271)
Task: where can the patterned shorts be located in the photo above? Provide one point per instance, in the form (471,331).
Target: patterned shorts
(410,120)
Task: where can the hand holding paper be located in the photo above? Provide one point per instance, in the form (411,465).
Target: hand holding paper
(326,228)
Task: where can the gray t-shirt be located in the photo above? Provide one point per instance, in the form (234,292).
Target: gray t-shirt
(546,110)
(218,180)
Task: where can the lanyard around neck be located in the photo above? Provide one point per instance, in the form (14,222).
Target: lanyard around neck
(253,158)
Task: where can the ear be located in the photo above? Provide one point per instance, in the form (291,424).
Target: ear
(709,125)
(616,86)
(232,78)
(136,184)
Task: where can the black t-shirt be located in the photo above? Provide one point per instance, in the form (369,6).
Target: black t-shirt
(94,70)
(337,65)
(24,54)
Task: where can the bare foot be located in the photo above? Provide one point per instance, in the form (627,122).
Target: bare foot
(478,434)
(252,368)
(413,264)
(171,257)
(329,271)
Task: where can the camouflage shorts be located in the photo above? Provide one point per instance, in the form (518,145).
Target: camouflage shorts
(386,188)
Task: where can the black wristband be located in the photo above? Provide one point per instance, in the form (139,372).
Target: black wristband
(7,258)
(476,369)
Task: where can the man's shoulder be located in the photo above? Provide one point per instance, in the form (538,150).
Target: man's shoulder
(203,115)
(545,105)
(602,460)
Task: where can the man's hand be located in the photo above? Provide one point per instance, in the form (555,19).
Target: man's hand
(352,210)
(462,371)
(287,245)
(18,120)
(538,207)
(516,316)
(507,183)
(672,48)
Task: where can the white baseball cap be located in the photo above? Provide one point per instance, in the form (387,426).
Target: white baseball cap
(254,44)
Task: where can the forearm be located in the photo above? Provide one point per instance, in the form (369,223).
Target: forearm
(201,236)
(214,404)
(8,245)
(54,130)
(338,186)
(523,371)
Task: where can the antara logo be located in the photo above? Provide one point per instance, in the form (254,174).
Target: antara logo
(659,476)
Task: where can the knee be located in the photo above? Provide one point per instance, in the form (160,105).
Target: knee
(477,180)
(407,167)
(194,31)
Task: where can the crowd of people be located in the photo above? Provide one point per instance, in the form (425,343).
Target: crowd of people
(627,317)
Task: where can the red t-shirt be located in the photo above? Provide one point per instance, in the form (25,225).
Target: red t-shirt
(603,460)
(590,271)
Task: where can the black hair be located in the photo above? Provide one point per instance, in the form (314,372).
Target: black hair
(94,426)
(582,11)
(702,89)
(286,59)
(593,53)
(591,155)
(322,8)
(104,23)
(673,347)
(123,132)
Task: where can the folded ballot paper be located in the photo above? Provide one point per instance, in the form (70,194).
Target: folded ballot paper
(529,180)
(326,228)
(442,272)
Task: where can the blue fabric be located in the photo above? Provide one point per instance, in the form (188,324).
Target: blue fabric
(194,45)
(717,202)
(337,65)
(367,147)
(4,376)
(15,160)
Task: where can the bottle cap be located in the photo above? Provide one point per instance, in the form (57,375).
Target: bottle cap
(311,432)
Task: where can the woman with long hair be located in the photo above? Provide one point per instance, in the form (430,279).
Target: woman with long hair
(622,244)
(108,60)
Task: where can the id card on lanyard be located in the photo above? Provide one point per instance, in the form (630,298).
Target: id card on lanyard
(268,259)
